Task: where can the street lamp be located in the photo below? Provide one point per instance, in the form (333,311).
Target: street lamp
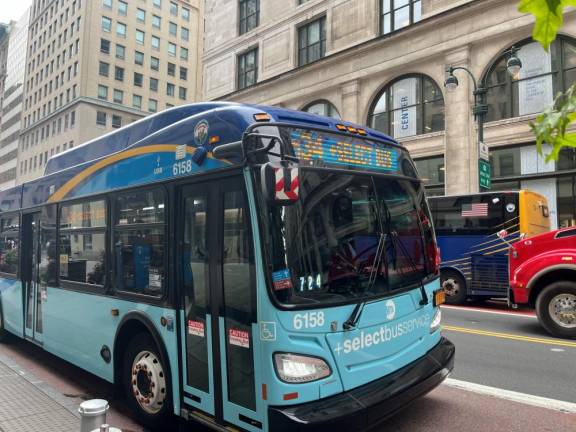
(513,65)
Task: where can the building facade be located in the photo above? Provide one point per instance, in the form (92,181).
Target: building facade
(95,65)
(383,63)
(12,98)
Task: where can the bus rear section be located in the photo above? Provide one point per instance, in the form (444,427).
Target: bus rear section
(474,254)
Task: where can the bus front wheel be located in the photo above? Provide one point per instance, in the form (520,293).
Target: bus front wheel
(146,382)
(454,286)
(556,309)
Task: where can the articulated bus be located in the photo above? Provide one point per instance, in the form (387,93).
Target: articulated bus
(246,267)
(474,234)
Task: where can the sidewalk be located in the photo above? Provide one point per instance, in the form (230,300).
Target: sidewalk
(30,405)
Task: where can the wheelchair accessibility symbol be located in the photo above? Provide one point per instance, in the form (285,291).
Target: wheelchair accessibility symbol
(267,331)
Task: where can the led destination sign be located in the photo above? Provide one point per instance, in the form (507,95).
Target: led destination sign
(342,150)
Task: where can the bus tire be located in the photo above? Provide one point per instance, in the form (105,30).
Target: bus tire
(146,382)
(454,286)
(556,309)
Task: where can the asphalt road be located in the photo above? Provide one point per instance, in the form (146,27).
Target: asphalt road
(510,350)
(502,351)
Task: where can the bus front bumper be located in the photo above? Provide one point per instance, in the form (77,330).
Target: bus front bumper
(366,406)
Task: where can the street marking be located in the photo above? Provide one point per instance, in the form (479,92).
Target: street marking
(545,341)
(557,350)
(494,312)
(524,398)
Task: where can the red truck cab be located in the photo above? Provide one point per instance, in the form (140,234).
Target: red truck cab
(542,272)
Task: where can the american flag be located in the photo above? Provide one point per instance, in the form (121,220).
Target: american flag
(479,209)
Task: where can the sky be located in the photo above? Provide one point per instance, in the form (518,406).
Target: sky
(12,9)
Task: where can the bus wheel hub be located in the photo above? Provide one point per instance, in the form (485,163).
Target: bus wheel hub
(450,287)
(148,382)
(562,309)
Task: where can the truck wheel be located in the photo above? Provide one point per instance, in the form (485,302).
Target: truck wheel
(556,309)
(146,383)
(454,286)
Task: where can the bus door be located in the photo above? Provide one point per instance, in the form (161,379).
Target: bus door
(30,277)
(218,298)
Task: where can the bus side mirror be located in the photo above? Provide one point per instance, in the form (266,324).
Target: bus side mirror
(280,184)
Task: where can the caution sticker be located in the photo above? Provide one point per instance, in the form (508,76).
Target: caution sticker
(239,338)
(196,328)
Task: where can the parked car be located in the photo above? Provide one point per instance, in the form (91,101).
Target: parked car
(543,275)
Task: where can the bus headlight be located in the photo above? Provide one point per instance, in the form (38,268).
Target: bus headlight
(295,368)
(435,324)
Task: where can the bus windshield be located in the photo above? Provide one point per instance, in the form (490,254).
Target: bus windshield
(350,237)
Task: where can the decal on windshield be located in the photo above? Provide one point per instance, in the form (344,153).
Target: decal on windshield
(281,280)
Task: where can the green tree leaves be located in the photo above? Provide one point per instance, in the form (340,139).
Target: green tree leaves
(551,126)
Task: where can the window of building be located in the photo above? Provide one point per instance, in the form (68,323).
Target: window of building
(157,3)
(171,69)
(138,79)
(397,14)
(139,58)
(139,239)
(431,171)
(120,52)
(116,121)
(173,29)
(184,53)
(105,46)
(170,89)
(184,33)
(122,7)
(182,93)
(249,15)
(186,14)
(102,92)
(137,101)
(72,119)
(107,4)
(171,49)
(505,162)
(104,69)
(118,96)
(323,108)
(173,9)
(154,63)
(140,37)
(543,75)
(121,29)
(410,105)
(152,105)
(119,73)
(312,41)
(106,24)
(183,73)
(141,15)
(153,84)
(248,68)
(156,21)
(9,242)
(83,242)
(155,42)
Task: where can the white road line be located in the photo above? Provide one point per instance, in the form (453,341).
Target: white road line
(527,399)
(488,311)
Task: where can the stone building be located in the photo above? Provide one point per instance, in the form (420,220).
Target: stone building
(383,63)
(95,65)
(12,96)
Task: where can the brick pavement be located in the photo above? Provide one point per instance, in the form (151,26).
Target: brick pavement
(29,405)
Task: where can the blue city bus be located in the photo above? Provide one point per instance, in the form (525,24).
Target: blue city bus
(243,266)
(474,234)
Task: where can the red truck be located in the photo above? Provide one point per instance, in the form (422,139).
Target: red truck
(543,275)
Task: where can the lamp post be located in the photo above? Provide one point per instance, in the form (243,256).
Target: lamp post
(513,65)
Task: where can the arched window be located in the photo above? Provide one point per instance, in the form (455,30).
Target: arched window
(543,74)
(323,108)
(410,105)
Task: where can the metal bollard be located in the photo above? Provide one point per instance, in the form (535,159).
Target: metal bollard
(92,414)
(107,428)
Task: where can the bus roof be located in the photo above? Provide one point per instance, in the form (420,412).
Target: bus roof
(147,143)
(510,192)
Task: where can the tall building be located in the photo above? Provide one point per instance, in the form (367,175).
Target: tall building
(4,36)
(96,65)
(12,100)
(383,63)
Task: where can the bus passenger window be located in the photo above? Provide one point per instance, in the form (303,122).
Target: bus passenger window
(139,242)
(83,242)
(48,251)
(9,243)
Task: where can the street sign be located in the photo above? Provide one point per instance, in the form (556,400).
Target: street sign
(483,152)
(484,174)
